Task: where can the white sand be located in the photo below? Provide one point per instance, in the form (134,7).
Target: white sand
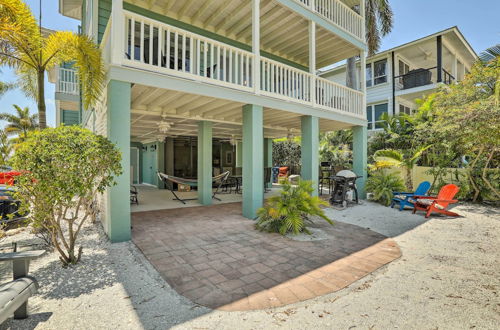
(448,278)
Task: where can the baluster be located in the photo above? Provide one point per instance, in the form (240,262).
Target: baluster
(167,58)
(160,45)
(151,29)
(212,70)
(223,66)
(176,50)
(132,39)
(247,76)
(230,70)
(191,54)
(183,52)
(205,55)
(141,47)
(198,58)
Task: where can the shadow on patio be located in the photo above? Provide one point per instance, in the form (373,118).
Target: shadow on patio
(214,257)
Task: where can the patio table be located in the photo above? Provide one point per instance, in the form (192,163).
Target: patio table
(238,179)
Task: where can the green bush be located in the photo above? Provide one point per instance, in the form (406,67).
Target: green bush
(383,184)
(64,169)
(289,212)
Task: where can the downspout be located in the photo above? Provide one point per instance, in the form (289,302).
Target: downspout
(393,85)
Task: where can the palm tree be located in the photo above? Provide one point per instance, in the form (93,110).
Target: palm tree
(4,87)
(5,147)
(20,123)
(378,23)
(31,53)
(394,158)
(491,57)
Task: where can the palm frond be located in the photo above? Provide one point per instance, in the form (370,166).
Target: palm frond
(490,54)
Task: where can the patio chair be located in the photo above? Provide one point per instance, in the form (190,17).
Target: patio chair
(437,204)
(170,179)
(407,198)
(14,294)
(133,195)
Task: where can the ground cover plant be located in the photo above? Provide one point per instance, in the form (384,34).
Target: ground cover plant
(290,211)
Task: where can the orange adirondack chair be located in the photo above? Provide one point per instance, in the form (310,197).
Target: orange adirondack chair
(438,204)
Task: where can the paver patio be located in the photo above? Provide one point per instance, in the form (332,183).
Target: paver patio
(214,257)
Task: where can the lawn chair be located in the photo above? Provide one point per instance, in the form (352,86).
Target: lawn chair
(14,294)
(134,195)
(438,204)
(407,198)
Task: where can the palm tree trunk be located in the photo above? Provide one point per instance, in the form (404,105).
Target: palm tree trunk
(42,110)
(351,73)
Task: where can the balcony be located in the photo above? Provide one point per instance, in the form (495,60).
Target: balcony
(158,47)
(67,81)
(421,78)
(336,12)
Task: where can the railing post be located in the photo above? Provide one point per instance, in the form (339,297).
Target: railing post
(312,60)
(117,32)
(311,4)
(256,45)
(363,80)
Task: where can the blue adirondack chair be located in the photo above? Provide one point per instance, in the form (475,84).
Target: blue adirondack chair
(405,198)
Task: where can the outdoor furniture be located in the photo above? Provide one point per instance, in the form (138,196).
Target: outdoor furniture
(237,181)
(407,198)
(438,204)
(283,173)
(345,187)
(133,195)
(169,180)
(267,178)
(325,177)
(14,294)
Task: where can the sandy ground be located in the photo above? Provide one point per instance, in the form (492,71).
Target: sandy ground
(448,278)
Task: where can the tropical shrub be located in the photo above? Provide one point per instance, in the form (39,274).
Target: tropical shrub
(382,184)
(64,168)
(336,148)
(286,152)
(290,211)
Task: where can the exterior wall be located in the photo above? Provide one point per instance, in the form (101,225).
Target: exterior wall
(104,12)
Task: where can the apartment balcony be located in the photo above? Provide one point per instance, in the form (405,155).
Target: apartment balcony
(418,82)
(162,48)
(67,81)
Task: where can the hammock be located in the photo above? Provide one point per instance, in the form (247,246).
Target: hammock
(169,179)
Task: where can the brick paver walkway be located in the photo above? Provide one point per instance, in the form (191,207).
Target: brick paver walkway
(215,257)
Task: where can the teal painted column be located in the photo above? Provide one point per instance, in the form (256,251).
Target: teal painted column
(118,129)
(205,162)
(253,159)
(239,154)
(160,163)
(360,157)
(310,151)
(268,156)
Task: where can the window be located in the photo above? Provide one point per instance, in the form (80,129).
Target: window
(403,68)
(368,75)
(376,73)
(373,114)
(380,72)
(404,109)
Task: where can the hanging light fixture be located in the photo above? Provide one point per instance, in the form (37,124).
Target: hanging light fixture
(233,140)
(164,126)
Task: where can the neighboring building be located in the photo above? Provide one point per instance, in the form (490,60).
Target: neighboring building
(67,96)
(398,76)
(196,74)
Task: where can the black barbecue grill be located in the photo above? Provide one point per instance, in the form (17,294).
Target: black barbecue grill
(344,183)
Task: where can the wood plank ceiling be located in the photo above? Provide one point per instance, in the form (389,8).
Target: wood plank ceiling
(183,111)
(283,32)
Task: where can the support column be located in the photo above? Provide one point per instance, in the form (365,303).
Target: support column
(256,45)
(169,156)
(253,159)
(310,151)
(239,154)
(312,60)
(118,131)
(205,162)
(117,31)
(268,157)
(360,157)
(439,46)
(160,163)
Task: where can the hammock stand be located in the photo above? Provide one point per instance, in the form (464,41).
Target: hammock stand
(170,179)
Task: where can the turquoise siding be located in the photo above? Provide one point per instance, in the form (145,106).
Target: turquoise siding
(70,117)
(103,14)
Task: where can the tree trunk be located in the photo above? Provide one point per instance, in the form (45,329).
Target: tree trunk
(351,73)
(42,111)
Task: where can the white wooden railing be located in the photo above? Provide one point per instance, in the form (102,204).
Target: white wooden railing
(285,81)
(174,49)
(180,53)
(67,81)
(337,13)
(330,95)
